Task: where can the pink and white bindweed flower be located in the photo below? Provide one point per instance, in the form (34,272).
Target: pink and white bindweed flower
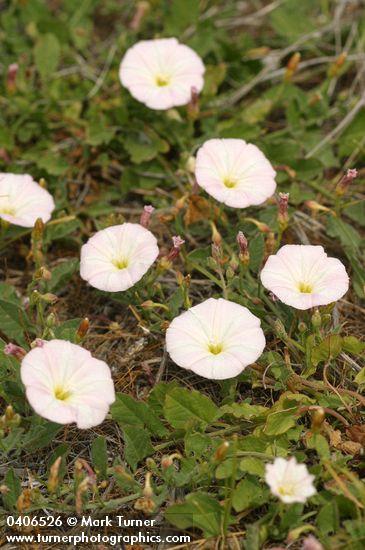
(116,258)
(289,481)
(303,276)
(161,73)
(65,383)
(23,201)
(216,339)
(234,172)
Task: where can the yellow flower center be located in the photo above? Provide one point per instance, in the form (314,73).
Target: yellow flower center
(61,393)
(305,288)
(162,80)
(120,264)
(7,210)
(229,182)
(215,349)
(286,490)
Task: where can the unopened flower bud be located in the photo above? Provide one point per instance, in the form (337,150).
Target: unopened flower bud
(51,320)
(43,274)
(190,165)
(244,255)
(270,244)
(49,298)
(316,319)
(11,77)
(145,505)
(146,215)
(142,9)
(221,451)
(280,329)
(217,253)
(168,460)
(283,217)
(345,182)
(147,490)
(83,329)
(15,351)
(233,262)
(263,227)
(151,464)
(38,343)
(177,243)
(53,479)
(292,66)
(316,207)
(9,413)
(216,236)
(326,319)
(24,500)
(229,273)
(302,327)
(193,106)
(318,417)
(335,68)
(38,229)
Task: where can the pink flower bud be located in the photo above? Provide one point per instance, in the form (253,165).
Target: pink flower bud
(283,217)
(142,9)
(242,242)
(38,343)
(11,77)
(146,215)
(193,106)
(177,242)
(311,543)
(345,181)
(15,351)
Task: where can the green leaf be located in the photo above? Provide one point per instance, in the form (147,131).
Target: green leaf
(350,344)
(249,493)
(99,456)
(137,445)
(197,443)
(328,518)
(144,146)
(60,230)
(360,377)
(253,466)
(279,422)
(291,19)
(47,54)
(256,249)
(244,410)
(319,443)
(129,412)
(62,274)
(347,234)
(199,510)
(98,132)
(41,434)
(14,323)
(328,349)
(353,136)
(12,482)
(184,407)
(67,330)
(181,14)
